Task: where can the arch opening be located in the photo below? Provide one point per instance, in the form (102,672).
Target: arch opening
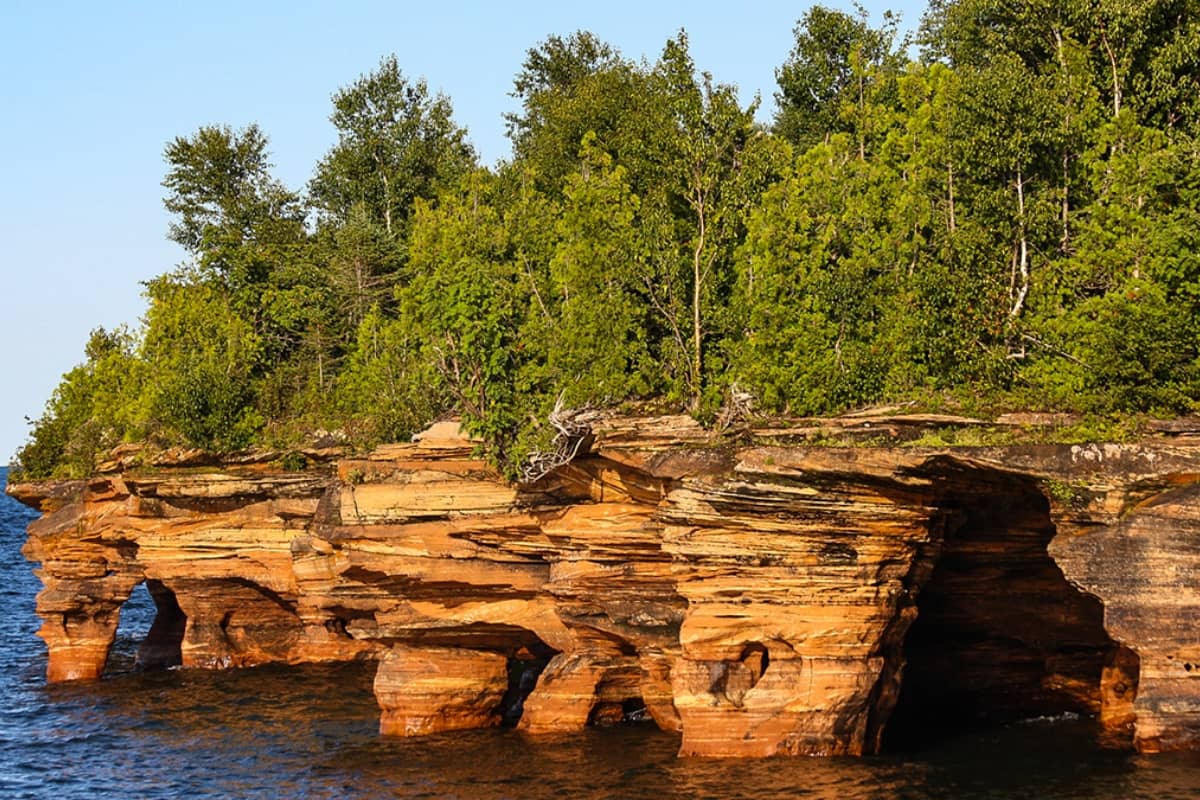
(1000,635)
(475,675)
(163,646)
(149,632)
(525,666)
(135,618)
(618,699)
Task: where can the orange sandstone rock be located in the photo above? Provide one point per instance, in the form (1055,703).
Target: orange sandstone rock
(433,689)
(760,598)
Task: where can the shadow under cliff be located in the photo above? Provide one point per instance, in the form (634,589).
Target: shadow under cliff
(1000,634)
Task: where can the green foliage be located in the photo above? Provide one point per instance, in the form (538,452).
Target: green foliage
(1126,350)
(386,392)
(1066,493)
(210,409)
(599,350)
(219,186)
(396,143)
(466,302)
(89,411)
(203,356)
(293,461)
(837,67)
(572,87)
(965,436)
(1011,220)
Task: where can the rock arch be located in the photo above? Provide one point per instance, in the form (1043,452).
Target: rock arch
(162,647)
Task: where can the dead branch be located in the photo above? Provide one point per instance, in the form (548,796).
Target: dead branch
(572,429)
(738,407)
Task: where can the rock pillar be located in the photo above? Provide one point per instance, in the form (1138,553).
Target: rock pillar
(424,690)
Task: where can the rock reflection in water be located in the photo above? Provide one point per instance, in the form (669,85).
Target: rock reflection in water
(311,732)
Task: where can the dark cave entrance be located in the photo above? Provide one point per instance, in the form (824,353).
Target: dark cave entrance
(527,657)
(162,647)
(149,633)
(1000,634)
(615,699)
(525,666)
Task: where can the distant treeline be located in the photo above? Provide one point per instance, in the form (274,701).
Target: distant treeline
(1009,218)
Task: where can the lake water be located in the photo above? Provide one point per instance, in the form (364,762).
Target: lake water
(311,732)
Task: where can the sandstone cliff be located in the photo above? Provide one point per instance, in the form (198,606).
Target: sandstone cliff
(758,595)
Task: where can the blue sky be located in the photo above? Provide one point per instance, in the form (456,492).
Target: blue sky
(92,92)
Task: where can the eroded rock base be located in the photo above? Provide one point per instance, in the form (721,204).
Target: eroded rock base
(434,689)
(758,597)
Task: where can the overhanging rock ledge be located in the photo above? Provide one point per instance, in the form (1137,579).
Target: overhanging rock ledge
(761,597)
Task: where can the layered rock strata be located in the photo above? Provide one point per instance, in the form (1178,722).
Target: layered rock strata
(759,595)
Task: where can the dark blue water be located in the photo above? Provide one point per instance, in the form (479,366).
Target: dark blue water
(311,732)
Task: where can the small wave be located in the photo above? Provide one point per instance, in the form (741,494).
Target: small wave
(1066,716)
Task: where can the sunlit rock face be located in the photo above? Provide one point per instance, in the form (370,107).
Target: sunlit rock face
(433,689)
(758,595)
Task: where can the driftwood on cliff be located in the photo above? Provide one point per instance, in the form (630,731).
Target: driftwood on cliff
(572,429)
(737,408)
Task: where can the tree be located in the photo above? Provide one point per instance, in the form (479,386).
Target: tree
(599,344)
(710,131)
(836,62)
(1120,331)
(91,410)
(241,225)
(1143,55)
(554,82)
(822,270)
(1147,55)
(205,356)
(363,263)
(396,143)
(390,388)
(466,307)
(579,85)
(220,187)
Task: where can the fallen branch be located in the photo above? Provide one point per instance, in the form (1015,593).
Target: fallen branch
(572,428)
(738,407)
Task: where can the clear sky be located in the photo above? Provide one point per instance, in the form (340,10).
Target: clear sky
(92,92)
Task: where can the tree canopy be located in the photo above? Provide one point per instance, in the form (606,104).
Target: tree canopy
(1002,214)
